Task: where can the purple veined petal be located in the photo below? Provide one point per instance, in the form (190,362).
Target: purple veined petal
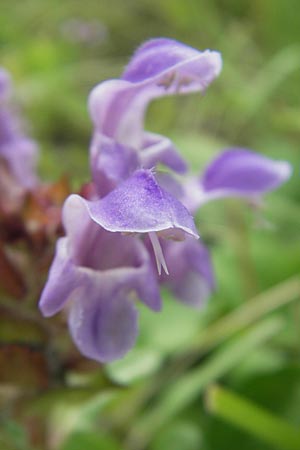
(140,205)
(159,149)
(168,59)
(102,322)
(244,173)
(117,107)
(63,279)
(111,163)
(191,276)
(123,259)
(235,173)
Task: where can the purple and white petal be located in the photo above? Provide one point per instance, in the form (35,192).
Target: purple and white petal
(174,65)
(102,322)
(140,205)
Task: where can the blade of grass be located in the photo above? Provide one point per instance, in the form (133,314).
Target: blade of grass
(247,314)
(251,418)
(183,391)
(209,338)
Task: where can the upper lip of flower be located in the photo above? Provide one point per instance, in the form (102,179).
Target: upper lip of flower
(117,107)
(140,205)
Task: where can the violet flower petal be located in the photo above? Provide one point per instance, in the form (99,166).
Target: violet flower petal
(191,277)
(64,277)
(140,205)
(159,149)
(236,173)
(103,323)
(99,274)
(111,163)
(244,173)
(123,258)
(166,58)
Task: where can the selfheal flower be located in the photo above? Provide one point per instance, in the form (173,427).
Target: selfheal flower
(97,274)
(136,222)
(97,262)
(160,67)
(16,150)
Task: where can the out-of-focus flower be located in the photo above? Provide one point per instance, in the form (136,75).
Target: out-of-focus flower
(16,149)
(134,222)
(89,32)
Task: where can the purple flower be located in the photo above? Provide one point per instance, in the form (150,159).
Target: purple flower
(100,263)
(18,151)
(139,222)
(160,67)
(97,274)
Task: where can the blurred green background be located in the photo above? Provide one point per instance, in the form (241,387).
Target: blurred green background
(163,395)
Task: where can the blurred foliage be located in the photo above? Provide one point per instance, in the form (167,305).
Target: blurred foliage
(53,399)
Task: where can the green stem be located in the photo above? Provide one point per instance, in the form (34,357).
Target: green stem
(252,418)
(239,238)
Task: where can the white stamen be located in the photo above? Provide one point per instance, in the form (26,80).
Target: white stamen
(159,256)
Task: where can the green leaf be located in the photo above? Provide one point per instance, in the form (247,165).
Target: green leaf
(178,435)
(181,392)
(252,418)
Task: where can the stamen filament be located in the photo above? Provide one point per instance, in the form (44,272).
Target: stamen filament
(159,256)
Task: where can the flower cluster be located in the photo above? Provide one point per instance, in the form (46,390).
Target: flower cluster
(134,230)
